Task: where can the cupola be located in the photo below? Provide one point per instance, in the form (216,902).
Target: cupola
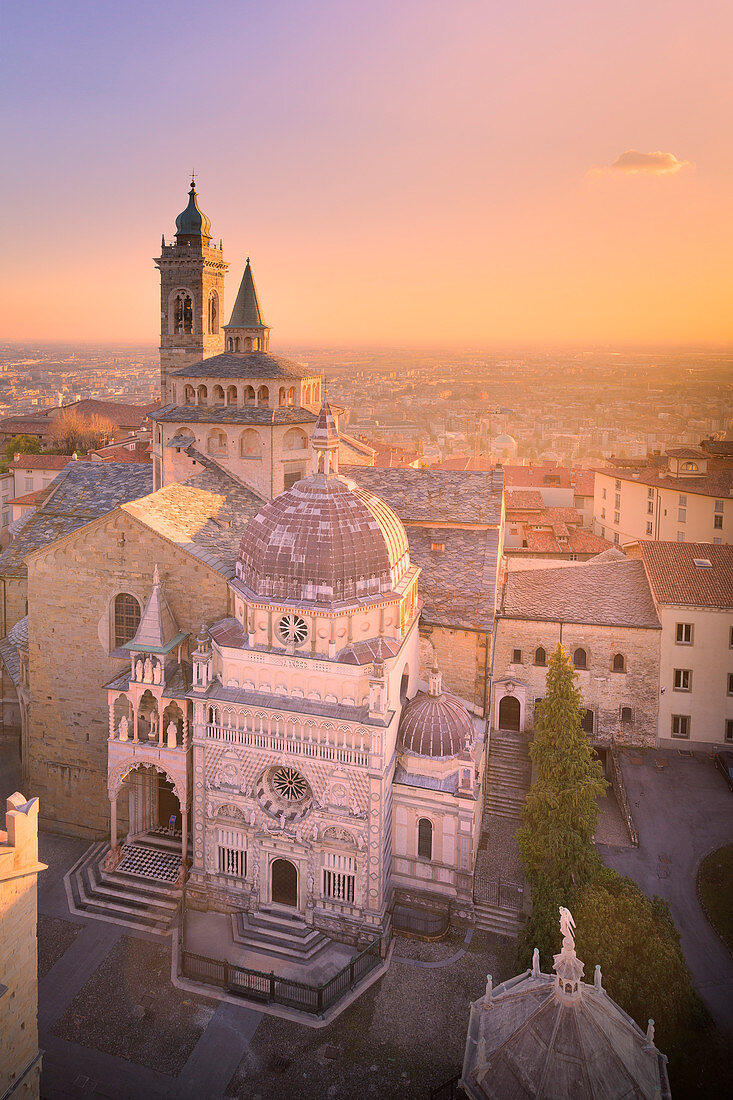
(192,225)
(435,724)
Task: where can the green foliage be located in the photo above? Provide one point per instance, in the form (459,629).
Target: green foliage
(22,444)
(715,883)
(560,814)
(635,940)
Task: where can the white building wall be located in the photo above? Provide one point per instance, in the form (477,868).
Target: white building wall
(709,660)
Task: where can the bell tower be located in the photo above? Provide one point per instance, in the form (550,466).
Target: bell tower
(191,295)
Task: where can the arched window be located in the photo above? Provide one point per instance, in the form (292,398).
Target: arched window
(213,317)
(281,396)
(189,395)
(580,658)
(263,396)
(291,396)
(250,444)
(202,395)
(217,444)
(627,715)
(425,838)
(230,344)
(619,662)
(231,395)
(249,395)
(236,343)
(248,343)
(127,618)
(295,440)
(587,721)
(256,344)
(182,313)
(692,467)
(217,396)
(404,684)
(540,656)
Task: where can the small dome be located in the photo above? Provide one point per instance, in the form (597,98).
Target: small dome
(505,442)
(192,222)
(324,540)
(435,723)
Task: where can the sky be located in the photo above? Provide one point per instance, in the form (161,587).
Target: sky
(401,172)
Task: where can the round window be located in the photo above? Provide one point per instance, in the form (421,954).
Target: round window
(293,630)
(289,784)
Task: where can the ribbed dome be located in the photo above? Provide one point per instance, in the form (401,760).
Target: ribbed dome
(435,723)
(192,222)
(324,540)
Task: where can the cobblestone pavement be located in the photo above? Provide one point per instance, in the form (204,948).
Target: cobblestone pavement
(498,855)
(611,826)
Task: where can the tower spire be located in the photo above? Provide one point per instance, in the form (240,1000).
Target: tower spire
(247,330)
(325,442)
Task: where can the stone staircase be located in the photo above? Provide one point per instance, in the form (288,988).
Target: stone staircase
(133,900)
(509,773)
(271,932)
(491,918)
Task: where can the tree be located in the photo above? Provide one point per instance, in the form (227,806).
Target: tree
(76,433)
(560,814)
(22,444)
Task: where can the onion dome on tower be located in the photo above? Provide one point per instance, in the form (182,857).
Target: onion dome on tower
(192,225)
(326,540)
(436,724)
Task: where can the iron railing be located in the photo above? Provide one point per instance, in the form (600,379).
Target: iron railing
(497,892)
(429,924)
(256,985)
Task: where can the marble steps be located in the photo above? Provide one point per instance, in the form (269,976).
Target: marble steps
(504,805)
(271,933)
(138,903)
(502,922)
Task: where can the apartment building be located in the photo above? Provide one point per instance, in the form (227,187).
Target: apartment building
(687,499)
(692,587)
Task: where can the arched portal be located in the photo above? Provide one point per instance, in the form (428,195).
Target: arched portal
(509,713)
(284,882)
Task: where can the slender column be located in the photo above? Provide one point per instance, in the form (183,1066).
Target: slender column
(135,736)
(184,831)
(111,721)
(113,823)
(185,726)
(160,725)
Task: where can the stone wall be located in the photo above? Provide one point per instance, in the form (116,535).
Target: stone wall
(20,1064)
(72,586)
(461,656)
(604,691)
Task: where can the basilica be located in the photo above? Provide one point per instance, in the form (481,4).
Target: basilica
(258,683)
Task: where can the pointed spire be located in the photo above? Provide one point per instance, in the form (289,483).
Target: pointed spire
(325,442)
(247,312)
(157,630)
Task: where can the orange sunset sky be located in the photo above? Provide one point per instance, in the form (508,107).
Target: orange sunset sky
(400,172)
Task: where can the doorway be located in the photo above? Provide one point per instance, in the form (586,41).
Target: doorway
(284,881)
(168,806)
(509,713)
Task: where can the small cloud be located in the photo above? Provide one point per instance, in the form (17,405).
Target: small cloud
(632,163)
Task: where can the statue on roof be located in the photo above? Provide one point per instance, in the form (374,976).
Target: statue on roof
(567,927)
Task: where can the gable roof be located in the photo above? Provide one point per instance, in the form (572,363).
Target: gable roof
(675,579)
(82,492)
(606,593)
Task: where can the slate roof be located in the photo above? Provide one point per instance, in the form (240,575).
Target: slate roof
(234,414)
(205,515)
(594,593)
(716,483)
(457,586)
(254,364)
(10,646)
(435,496)
(675,578)
(275,701)
(82,492)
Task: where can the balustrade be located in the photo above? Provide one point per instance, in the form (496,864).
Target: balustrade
(340,746)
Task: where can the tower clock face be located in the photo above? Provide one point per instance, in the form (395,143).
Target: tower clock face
(293,630)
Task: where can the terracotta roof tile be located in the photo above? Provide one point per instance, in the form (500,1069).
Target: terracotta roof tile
(676,579)
(717,483)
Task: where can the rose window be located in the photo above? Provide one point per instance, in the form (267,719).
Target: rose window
(289,784)
(293,630)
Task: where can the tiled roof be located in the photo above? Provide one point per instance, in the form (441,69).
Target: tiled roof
(10,647)
(234,414)
(435,496)
(32,425)
(676,579)
(40,462)
(686,452)
(256,364)
(121,413)
(82,492)
(716,483)
(123,452)
(549,476)
(205,515)
(457,586)
(462,462)
(435,725)
(523,499)
(601,594)
(31,498)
